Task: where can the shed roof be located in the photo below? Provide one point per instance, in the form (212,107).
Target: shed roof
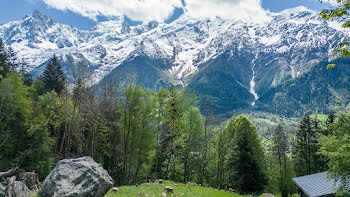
(316,185)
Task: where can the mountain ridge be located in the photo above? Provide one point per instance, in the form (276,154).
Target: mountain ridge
(254,56)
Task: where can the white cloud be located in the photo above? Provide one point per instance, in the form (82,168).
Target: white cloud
(141,10)
(332,2)
(237,9)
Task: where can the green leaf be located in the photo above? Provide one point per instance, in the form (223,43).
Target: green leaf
(330,66)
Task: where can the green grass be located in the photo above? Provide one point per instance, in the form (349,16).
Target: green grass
(156,190)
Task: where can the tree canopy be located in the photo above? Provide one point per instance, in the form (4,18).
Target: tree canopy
(339,12)
(53,76)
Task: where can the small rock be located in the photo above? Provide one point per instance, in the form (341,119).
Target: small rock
(267,195)
(160,181)
(115,190)
(31,179)
(166,190)
(169,189)
(20,190)
(232,190)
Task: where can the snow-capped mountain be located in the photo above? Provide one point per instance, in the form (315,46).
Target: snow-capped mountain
(257,56)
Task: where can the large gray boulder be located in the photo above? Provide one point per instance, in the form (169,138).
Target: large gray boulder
(81,177)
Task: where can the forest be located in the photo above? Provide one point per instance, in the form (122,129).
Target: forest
(140,135)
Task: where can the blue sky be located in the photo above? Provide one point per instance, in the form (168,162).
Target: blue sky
(11,10)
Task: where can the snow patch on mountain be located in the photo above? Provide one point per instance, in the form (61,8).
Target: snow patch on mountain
(252,81)
(270,40)
(187,43)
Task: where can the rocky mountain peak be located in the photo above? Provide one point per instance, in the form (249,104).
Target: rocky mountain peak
(37,14)
(38,18)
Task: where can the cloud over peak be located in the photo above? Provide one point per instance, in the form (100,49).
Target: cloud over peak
(248,10)
(138,10)
(141,10)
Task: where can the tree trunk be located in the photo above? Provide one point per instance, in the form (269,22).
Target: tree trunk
(131,157)
(10,184)
(126,138)
(138,162)
(285,192)
(9,173)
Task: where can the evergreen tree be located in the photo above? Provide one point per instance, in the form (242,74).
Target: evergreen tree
(26,76)
(12,62)
(157,168)
(246,163)
(329,124)
(280,148)
(303,145)
(174,105)
(53,76)
(4,69)
(306,160)
(319,162)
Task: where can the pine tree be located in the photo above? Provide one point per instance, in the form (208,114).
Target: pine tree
(26,76)
(280,148)
(247,159)
(53,77)
(11,60)
(4,69)
(156,170)
(319,162)
(329,124)
(306,160)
